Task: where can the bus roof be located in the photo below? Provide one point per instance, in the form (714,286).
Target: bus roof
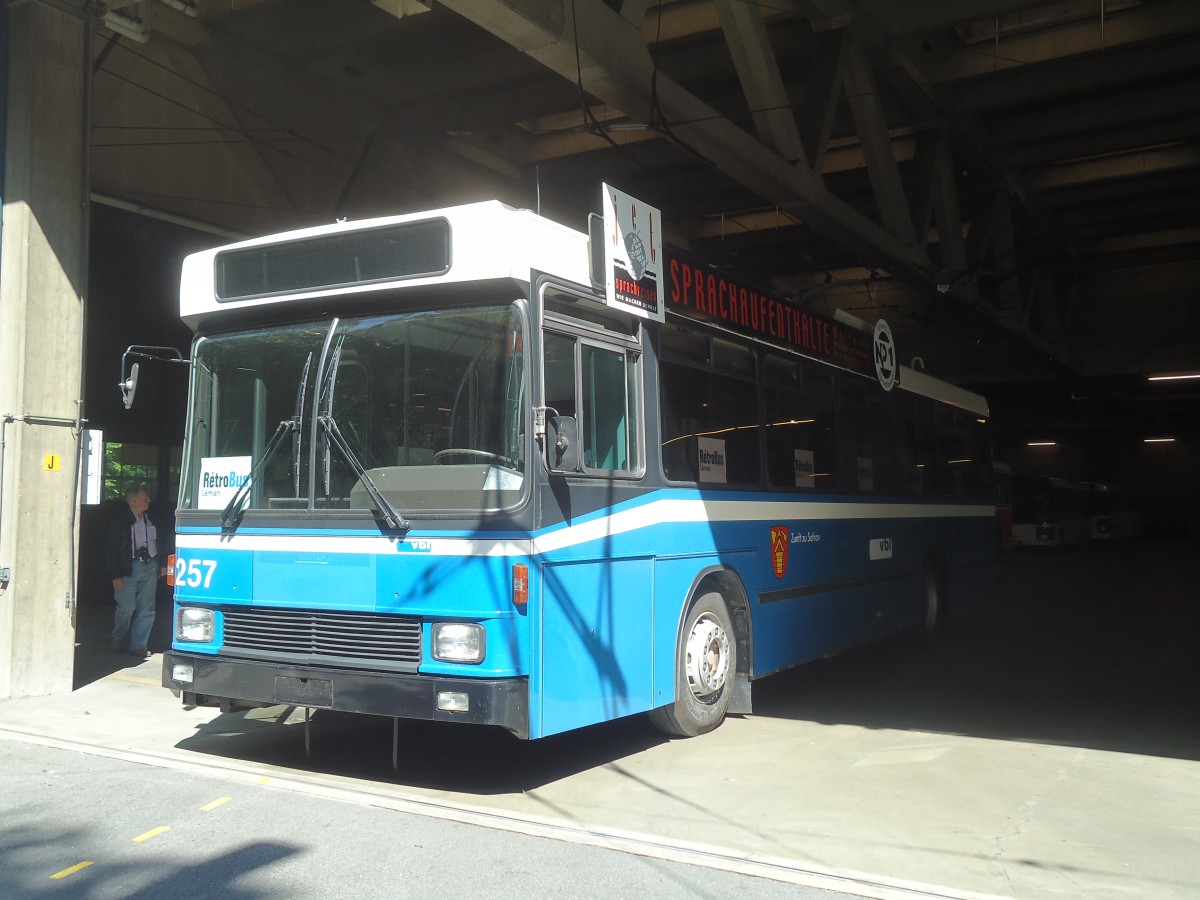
(927,386)
(485,241)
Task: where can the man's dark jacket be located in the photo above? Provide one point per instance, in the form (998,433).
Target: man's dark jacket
(118,545)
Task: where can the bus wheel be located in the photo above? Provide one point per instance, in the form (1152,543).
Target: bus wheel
(705,664)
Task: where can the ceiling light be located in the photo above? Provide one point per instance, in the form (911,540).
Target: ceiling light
(1175,376)
(1043,443)
(1158,440)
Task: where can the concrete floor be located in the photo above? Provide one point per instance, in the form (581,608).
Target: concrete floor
(1048,747)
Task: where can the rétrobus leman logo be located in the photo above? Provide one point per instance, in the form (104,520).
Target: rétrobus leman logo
(222,480)
(780,538)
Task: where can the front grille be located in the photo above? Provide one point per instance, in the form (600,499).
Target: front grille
(354,639)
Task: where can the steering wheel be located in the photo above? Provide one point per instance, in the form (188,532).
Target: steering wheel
(477,454)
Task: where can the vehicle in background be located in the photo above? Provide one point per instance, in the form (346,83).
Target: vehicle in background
(1050,512)
(1116,513)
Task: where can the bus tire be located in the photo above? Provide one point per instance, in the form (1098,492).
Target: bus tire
(705,666)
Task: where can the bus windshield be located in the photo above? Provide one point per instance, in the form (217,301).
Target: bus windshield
(430,405)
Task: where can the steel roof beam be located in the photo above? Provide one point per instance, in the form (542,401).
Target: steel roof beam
(590,40)
(758,71)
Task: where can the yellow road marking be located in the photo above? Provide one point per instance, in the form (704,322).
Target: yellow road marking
(264,780)
(220,801)
(154,832)
(138,679)
(71,871)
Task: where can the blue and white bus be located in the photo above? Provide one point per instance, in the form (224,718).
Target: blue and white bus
(431,473)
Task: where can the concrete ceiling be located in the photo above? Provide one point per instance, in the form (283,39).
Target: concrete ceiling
(1015,185)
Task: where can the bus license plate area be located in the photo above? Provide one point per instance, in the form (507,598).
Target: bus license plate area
(312,692)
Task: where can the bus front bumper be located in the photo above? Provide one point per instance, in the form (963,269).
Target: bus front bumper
(237,683)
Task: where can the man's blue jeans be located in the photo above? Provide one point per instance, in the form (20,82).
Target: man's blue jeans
(135,605)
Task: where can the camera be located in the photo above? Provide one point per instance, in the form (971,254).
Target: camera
(143,555)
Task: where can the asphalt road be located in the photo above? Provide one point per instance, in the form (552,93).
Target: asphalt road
(77,825)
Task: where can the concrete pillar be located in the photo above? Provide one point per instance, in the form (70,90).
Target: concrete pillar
(42,282)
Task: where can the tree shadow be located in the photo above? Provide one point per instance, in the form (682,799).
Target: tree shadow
(24,874)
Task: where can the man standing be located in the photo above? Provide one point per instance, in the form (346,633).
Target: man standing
(131,558)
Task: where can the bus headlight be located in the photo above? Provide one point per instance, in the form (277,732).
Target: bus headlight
(194,625)
(461,642)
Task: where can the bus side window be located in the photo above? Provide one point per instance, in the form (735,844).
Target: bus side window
(789,458)
(878,433)
(681,405)
(925,435)
(856,462)
(559,373)
(559,395)
(799,426)
(982,480)
(596,398)
(951,452)
(709,404)
(610,402)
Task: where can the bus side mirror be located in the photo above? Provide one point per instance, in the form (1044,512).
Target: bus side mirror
(128,386)
(562,444)
(129,370)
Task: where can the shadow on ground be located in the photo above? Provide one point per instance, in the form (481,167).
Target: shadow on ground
(93,638)
(1095,647)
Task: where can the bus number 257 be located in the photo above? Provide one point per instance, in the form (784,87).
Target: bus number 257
(195,572)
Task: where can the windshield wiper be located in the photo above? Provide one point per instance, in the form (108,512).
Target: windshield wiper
(326,395)
(383,506)
(297,434)
(230,515)
(319,382)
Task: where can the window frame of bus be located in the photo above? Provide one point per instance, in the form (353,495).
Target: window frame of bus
(586,321)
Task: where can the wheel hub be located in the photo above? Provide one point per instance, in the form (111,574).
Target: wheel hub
(707,658)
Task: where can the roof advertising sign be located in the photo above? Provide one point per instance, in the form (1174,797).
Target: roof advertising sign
(701,292)
(633,255)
